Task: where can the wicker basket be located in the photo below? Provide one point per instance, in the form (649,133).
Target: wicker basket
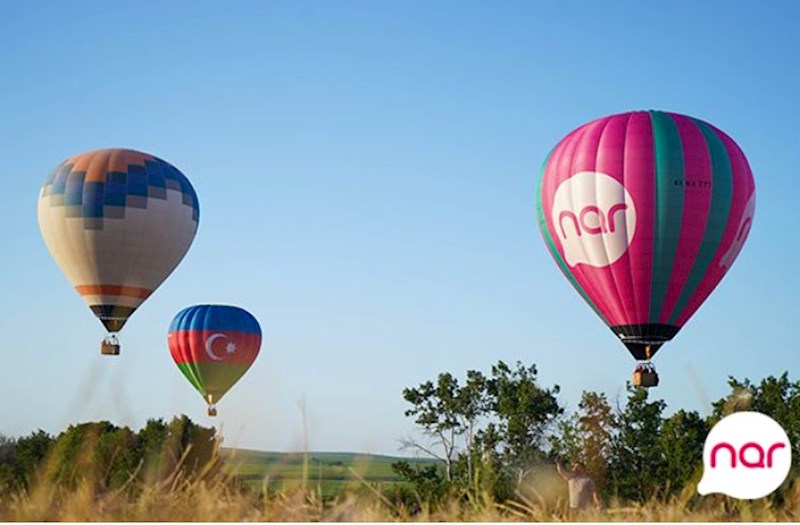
(109,348)
(645,378)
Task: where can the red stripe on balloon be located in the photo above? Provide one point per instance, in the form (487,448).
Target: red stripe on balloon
(639,174)
(109,289)
(201,346)
(610,159)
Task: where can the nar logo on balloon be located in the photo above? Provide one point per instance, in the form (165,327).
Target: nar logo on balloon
(747,455)
(595,219)
(741,233)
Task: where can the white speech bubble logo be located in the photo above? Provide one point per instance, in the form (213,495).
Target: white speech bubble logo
(747,455)
(741,233)
(594,217)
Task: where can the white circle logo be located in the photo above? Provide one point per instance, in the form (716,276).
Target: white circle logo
(594,217)
(747,455)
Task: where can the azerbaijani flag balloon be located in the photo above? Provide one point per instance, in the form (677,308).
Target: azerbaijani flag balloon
(645,212)
(117,222)
(214,345)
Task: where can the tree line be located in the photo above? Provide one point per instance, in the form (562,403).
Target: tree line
(492,431)
(494,434)
(108,457)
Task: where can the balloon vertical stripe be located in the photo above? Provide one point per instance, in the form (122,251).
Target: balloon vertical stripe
(639,167)
(695,187)
(609,157)
(669,207)
(721,193)
(741,215)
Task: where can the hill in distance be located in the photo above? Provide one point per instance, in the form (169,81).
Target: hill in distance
(330,470)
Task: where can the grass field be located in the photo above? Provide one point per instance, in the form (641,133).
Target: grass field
(326,472)
(211,497)
(316,487)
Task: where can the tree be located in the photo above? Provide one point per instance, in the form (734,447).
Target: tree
(156,461)
(191,448)
(778,398)
(682,438)
(525,412)
(636,466)
(446,411)
(429,488)
(472,404)
(29,453)
(586,435)
(8,478)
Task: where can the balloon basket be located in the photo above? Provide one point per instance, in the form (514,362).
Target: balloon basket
(645,375)
(110,346)
(212,410)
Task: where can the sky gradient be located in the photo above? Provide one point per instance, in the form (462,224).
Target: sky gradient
(366,173)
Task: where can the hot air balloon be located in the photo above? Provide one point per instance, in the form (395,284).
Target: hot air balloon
(645,212)
(214,345)
(117,222)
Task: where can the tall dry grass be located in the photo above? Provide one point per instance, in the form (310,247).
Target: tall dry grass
(213,493)
(214,496)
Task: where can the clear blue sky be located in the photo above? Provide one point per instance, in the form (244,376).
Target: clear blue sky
(366,175)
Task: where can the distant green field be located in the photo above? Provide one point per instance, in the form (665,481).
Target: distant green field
(329,471)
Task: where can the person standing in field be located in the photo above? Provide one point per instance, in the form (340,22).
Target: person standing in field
(582,491)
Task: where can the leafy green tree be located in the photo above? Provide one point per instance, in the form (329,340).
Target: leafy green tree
(776,397)
(77,454)
(29,453)
(491,475)
(525,413)
(151,448)
(472,405)
(437,409)
(682,438)
(586,435)
(636,467)
(429,488)
(8,478)
(191,448)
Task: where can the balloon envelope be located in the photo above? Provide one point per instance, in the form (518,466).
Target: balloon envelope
(645,212)
(117,222)
(214,345)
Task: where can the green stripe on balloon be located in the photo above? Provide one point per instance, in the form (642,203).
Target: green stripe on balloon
(213,378)
(669,207)
(190,372)
(552,247)
(721,198)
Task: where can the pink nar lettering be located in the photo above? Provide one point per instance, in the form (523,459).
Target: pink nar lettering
(759,463)
(591,219)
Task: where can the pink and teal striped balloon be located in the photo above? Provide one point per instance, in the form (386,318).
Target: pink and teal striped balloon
(645,212)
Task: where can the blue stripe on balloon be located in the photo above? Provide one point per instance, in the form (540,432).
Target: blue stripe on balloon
(220,318)
(92,205)
(137,181)
(115,194)
(155,175)
(73,189)
(60,179)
